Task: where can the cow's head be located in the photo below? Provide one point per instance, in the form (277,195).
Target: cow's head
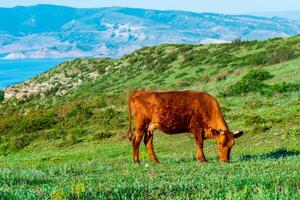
(225,141)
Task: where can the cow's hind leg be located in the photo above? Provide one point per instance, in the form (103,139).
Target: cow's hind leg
(199,137)
(136,144)
(148,140)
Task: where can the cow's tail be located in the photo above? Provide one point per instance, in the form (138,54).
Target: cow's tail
(129,120)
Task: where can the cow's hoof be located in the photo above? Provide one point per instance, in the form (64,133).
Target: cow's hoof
(155,162)
(202,160)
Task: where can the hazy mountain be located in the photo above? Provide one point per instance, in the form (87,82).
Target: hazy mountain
(55,31)
(293,15)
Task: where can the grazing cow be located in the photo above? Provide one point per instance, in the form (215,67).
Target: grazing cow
(178,112)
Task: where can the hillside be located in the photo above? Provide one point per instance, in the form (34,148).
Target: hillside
(38,32)
(70,140)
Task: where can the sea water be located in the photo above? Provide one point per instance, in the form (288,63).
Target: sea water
(16,71)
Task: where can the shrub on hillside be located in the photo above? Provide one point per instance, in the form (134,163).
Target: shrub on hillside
(32,122)
(281,54)
(20,142)
(110,118)
(194,58)
(102,135)
(286,87)
(185,48)
(159,63)
(254,82)
(236,43)
(258,123)
(250,44)
(78,131)
(269,57)
(38,121)
(256,59)
(222,75)
(1,95)
(258,74)
(171,57)
(69,140)
(52,134)
(251,82)
(188,57)
(199,70)
(148,62)
(182,74)
(281,88)
(81,111)
(224,59)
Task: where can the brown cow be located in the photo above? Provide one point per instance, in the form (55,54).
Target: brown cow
(178,112)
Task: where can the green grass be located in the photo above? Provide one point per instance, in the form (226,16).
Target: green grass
(74,146)
(266,164)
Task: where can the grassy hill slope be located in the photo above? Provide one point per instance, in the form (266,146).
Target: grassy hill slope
(73,144)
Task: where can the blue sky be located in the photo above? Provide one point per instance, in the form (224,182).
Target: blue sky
(221,6)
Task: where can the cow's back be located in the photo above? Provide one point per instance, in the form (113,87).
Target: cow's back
(175,110)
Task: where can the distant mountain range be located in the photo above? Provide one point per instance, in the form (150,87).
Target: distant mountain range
(47,31)
(293,15)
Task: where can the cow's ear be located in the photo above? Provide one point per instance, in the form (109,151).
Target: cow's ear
(238,134)
(215,132)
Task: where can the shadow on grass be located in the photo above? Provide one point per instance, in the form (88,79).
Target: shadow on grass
(280,153)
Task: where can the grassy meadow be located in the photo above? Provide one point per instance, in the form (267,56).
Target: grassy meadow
(74,146)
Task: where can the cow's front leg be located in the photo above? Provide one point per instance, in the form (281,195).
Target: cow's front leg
(148,140)
(199,137)
(136,145)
